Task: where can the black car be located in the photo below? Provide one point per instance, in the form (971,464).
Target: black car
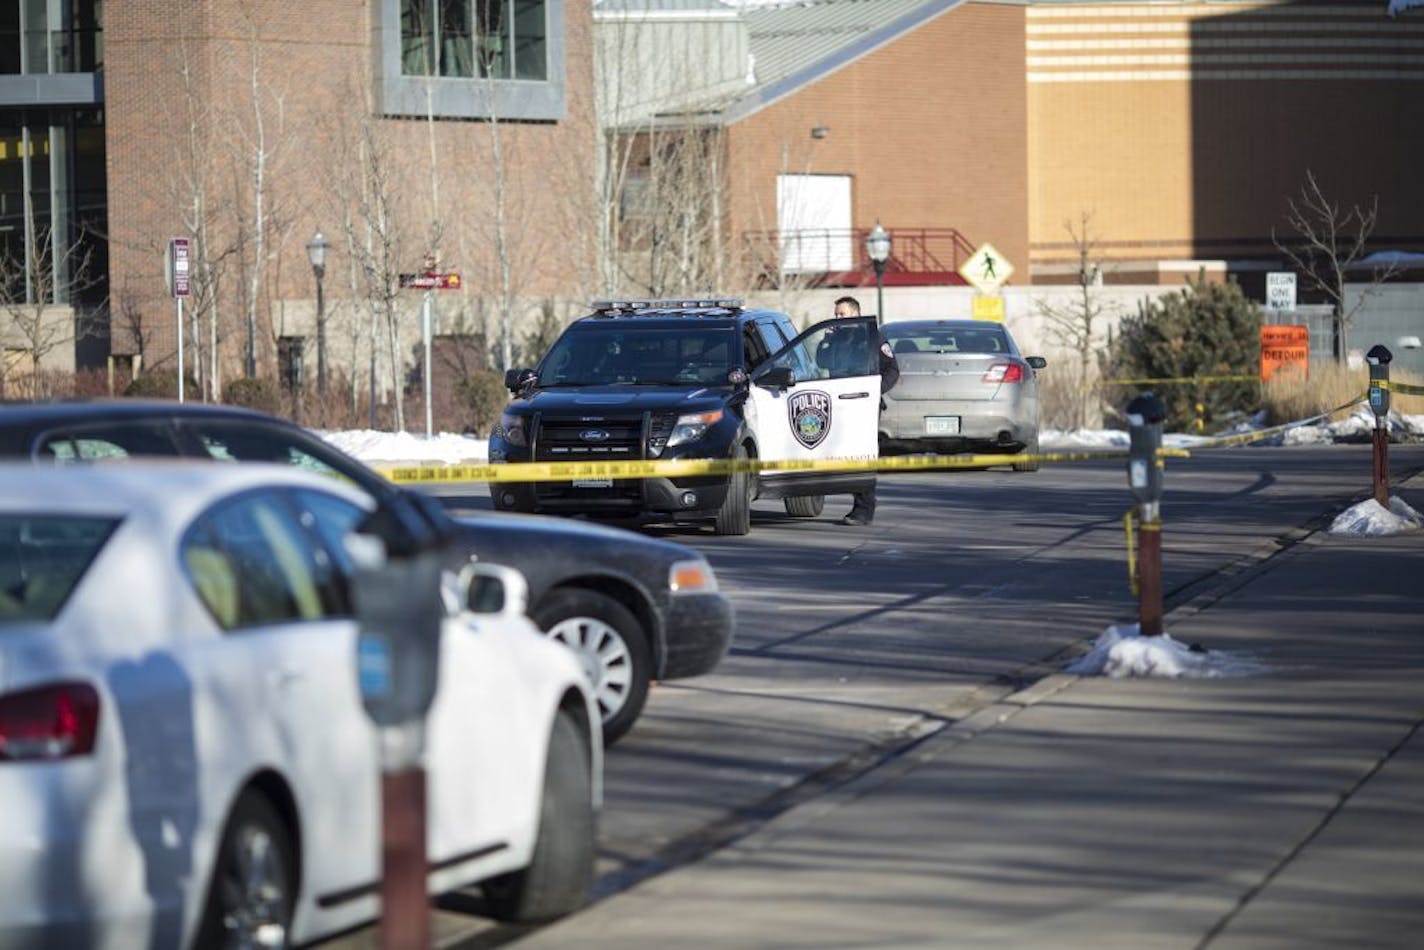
(693,379)
(634,608)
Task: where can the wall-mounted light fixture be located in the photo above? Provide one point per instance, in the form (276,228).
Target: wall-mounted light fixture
(820,131)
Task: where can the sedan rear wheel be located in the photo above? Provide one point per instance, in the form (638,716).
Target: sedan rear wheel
(1030,449)
(253,887)
(612,646)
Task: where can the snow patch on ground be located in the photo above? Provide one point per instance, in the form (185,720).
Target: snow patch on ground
(1369,517)
(1121,651)
(373,446)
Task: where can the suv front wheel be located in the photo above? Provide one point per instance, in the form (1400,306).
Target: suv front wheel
(735,515)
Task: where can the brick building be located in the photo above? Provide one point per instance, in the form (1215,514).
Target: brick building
(1181,130)
(412,134)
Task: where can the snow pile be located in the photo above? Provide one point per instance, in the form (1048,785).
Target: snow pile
(1121,651)
(371,445)
(1369,517)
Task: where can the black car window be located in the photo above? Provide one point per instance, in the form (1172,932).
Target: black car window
(108,440)
(228,441)
(612,354)
(42,558)
(756,349)
(252,564)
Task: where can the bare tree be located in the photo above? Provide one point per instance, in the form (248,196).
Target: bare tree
(1076,324)
(38,278)
(1330,241)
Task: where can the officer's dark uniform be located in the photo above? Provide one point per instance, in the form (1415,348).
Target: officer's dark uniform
(863,510)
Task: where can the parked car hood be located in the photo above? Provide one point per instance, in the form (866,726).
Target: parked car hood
(595,399)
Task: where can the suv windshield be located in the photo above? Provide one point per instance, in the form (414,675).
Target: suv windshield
(618,355)
(42,558)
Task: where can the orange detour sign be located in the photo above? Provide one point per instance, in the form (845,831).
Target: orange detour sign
(1285,349)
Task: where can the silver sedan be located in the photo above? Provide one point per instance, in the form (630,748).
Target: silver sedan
(964,386)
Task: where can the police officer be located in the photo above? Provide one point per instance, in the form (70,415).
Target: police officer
(862,512)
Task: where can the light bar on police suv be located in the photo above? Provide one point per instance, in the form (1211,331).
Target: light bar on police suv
(703,303)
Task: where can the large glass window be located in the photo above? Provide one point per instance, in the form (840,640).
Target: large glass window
(509,52)
(494,39)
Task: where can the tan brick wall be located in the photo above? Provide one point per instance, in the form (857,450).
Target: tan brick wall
(313,60)
(930,126)
(1183,129)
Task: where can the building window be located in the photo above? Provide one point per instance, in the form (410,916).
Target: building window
(463,39)
(39,37)
(476,59)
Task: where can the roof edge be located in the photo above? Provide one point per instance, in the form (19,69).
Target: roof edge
(781,88)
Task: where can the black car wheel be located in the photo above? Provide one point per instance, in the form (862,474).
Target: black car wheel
(735,515)
(559,873)
(253,889)
(612,646)
(807,506)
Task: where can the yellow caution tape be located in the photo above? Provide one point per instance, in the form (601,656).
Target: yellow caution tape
(1406,389)
(690,468)
(1129,521)
(1246,438)
(1173,380)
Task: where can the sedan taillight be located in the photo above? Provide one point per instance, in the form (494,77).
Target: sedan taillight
(1004,373)
(50,722)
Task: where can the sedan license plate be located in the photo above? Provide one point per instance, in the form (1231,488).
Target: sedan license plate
(941,425)
(593,483)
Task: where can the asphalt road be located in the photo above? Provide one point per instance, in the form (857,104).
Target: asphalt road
(853,642)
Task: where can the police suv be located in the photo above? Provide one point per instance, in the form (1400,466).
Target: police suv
(693,379)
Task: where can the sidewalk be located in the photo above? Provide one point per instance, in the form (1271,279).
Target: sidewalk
(1279,810)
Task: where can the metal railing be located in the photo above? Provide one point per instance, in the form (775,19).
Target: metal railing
(831,255)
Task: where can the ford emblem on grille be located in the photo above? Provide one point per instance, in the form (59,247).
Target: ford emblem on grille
(594,435)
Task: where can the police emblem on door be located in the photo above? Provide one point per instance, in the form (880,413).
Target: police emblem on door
(810,417)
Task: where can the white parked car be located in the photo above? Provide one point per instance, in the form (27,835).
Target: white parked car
(184,756)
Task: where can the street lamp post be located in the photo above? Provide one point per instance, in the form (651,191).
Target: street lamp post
(316,253)
(877,248)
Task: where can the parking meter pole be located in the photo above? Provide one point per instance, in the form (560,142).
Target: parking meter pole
(1379,358)
(405,906)
(1145,415)
(396,589)
(425,335)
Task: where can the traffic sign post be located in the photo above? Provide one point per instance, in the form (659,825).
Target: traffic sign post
(431,279)
(180,286)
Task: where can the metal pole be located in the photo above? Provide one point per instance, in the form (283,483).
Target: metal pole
(320,344)
(405,904)
(879,292)
(425,334)
(1379,358)
(180,349)
(1149,570)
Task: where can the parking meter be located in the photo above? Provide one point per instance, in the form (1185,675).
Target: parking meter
(1379,358)
(1144,475)
(399,558)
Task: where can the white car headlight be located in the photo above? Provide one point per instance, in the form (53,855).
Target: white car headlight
(693,426)
(692,577)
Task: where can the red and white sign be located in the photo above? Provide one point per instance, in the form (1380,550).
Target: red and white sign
(431,280)
(179,283)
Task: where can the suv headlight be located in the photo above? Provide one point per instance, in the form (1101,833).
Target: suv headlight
(692,577)
(693,426)
(512,425)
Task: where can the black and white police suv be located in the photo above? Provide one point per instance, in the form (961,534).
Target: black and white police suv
(692,379)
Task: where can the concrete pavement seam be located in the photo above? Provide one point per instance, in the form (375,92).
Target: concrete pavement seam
(1290,856)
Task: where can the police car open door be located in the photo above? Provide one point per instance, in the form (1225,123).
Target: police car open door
(818,399)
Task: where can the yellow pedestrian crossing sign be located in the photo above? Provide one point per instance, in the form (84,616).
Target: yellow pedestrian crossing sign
(986,270)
